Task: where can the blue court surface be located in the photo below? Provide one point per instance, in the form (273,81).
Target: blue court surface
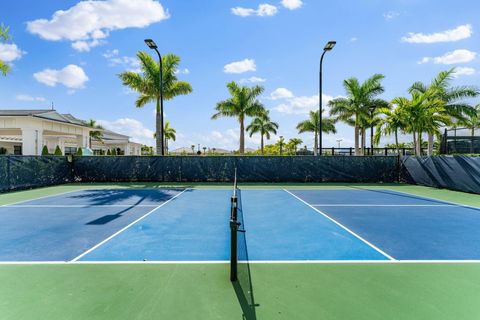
(192,225)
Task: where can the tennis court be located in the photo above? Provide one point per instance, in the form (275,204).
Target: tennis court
(311,250)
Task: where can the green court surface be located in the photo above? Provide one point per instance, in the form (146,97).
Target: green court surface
(327,291)
(281,291)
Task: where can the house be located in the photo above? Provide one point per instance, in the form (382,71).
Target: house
(26,132)
(112,140)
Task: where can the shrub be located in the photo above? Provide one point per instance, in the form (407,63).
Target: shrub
(3,150)
(114,152)
(109,153)
(45,151)
(79,152)
(58,151)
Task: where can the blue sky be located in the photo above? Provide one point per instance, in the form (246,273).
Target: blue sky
(72,58)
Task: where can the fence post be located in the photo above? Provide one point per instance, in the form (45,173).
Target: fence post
(351,151)
(333,151)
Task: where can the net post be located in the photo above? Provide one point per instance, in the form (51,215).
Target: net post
(234,240)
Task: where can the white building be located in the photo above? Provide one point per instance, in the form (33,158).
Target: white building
(25,132)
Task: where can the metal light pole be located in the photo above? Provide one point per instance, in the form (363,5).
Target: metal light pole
(339,141)
(372,110)
(329,46)
(152,45)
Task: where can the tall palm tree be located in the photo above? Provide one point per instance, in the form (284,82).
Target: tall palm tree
(242,103)
(170,134)
(312,125)
(354,108)
(472,122)
(147,84)
(263,125)
(452,97)
(390,124)
(96,134)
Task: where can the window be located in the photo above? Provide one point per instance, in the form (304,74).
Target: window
(17,150)
(70,150)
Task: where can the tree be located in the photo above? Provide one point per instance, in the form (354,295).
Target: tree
(114,151)
(109,153)
(421,114)
(354,108)
(263,125)
(170,134)
(390,124)
(472,122)
(58,151)
(242,103)
(292,145)
(451,98)
(4,37)
(45,151)
(96,134)
(312,125)
(280,144)
(79,152)
(147,84)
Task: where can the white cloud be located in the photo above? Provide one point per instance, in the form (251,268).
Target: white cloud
(253,80)
(240,66)
(128,63)
(72,77)
(353,39)
(391,15)
(182,71)
(464,71)
(281,93)
(10,52)
(263,10)
(132,128)
(88,22)
(292,4)
(300,104)
(459,33)
(457,56)
(28,98)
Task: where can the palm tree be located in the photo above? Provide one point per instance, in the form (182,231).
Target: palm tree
(147,84)
(452,98)
(242,103)
(96,134)
(312,125)
(354,108)
(170,134)
(390,124)
(421,114)
(293,144)
(263,125)
(472,122)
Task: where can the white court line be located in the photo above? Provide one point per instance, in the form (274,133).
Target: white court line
(382,205)
(83,206)
(159,262)
(128,226)
(43,197)
(342,226)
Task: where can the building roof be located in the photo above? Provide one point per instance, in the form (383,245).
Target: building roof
(51,114)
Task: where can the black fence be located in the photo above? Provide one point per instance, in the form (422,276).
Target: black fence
(24,172)
(460,173)
(460,140)
(250,169)
(372,151)
(452,172)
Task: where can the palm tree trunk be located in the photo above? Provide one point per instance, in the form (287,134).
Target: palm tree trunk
(472,149)
(261,143)
(315,145)
(242,136)
(159,129)
(362,152)
(357,132)
(430,145)
(396,142)
(415,143)
(419,143)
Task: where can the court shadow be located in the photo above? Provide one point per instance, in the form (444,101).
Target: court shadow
(117,196)
(246,301)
